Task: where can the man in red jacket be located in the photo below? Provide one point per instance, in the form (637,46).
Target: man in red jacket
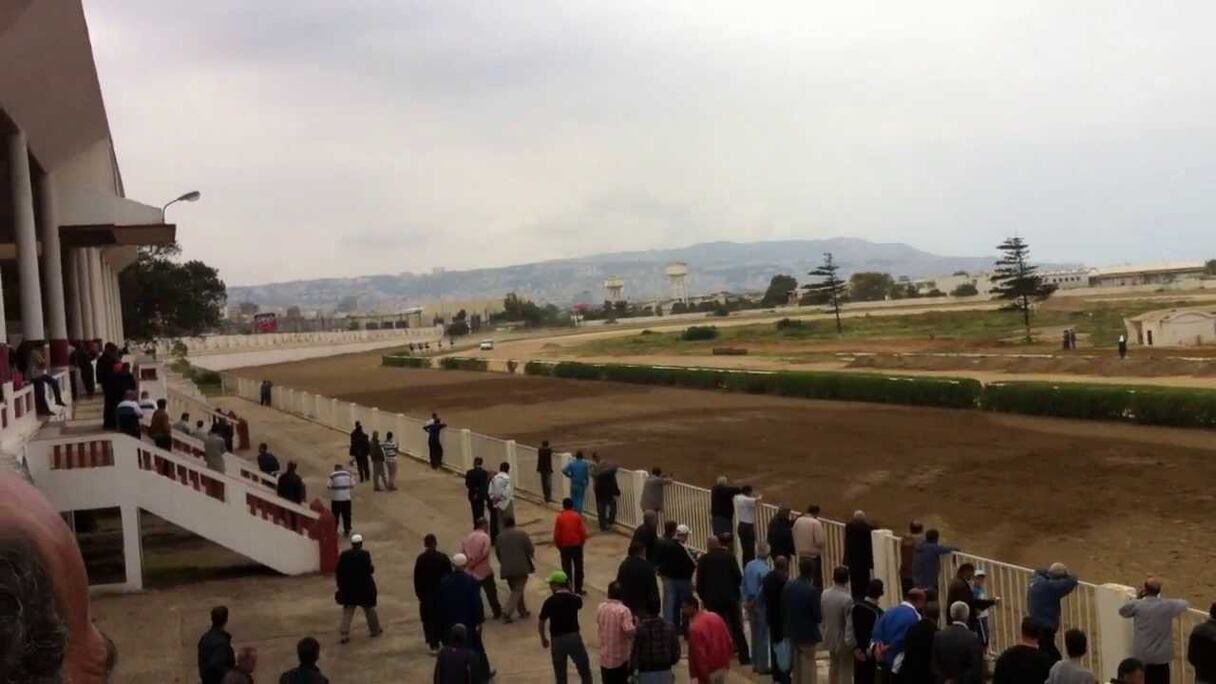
(709,644)
(569,535)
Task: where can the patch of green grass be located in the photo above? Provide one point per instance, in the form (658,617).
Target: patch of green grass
(1101,324)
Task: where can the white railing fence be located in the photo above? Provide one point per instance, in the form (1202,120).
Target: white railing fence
(214,344)
(1091,608)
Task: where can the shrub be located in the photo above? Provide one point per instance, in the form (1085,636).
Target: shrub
(463,363)
(790,324)
(1148,405)
(405,361)
(700,332)
(648,331)
(203,377)
(538,368)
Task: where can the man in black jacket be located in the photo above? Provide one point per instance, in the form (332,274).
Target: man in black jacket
(1201,649)
(606,491)
(647,534)
(918,647)
(544,468)
(215,654)
(865,616)
(722,506)
(959,590)
(781,535)
(676,566)
(859,553)
(356,587)
(718,582)
(639,587)
(429,570)
(477,482)
(772,588)
(290,486)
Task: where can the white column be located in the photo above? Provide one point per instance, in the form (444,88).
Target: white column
(97,295)
(132,548)
(74,310)
(88,325)
(24,229)
(52,272)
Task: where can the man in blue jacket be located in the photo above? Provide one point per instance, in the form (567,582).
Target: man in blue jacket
(460,602)
(927,561)
(1047,588)
(579,472)
(891,631)
(803,612)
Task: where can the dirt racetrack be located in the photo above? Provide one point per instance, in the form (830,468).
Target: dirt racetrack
(1116,502)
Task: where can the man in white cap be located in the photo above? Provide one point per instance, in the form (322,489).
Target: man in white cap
(677,565)
(460,603)
(356,587)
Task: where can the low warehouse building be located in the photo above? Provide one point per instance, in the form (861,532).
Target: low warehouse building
(1173,328)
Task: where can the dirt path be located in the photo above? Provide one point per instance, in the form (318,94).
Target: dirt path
(1117,502)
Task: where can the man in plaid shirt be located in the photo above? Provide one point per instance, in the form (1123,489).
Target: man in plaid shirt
(656,648)
(616,627)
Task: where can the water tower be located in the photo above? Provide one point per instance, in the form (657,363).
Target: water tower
(615,287)
(677,275)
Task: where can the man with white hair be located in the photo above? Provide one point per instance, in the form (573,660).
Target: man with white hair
(754,605)
(859,553)
(1047,588)
(958,655)
(1152,619)
(356,587)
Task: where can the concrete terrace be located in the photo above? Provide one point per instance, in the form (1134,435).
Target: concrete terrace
(156,631)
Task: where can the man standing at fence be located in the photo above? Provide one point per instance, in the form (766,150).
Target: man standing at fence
(1201,649)
(544,470)
(379,473)
(781,535)
(569,535)
(677,566)
(430,568)
(652,490)
(476,548)
(810,540)
(1153,629)
(745,504)
(927,562)
(752,591)
(606,491)
(837,605)
(434,427)
(356,439)
(1047,588)
(718,583)
(502,498)
(722,506)
(859,553)
(907,554)
(579,473)
(341,485)
(477,483)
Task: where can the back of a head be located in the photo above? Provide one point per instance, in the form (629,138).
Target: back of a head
(806,567)
(458,634)
(762,550)
(813,509)
(614,590)
(504,467)
(567,504)
(840,575)
(931,611)
(782,564)
(932,535)
(33,636)
(1058,569)
(1128,667)
(876,589)
(915,527)
(1076,644)
(1152,587)
(430,541)
(219,616)
(746,490)
(247,659)
(1030,629)
(669,528)
(656,471)
(308,650)
(959,612)
(508,522)
(636,549)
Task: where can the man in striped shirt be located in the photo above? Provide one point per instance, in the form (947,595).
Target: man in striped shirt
(389,446)
(616,627)
(341,484)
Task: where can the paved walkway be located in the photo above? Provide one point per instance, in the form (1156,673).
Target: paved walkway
(156,631)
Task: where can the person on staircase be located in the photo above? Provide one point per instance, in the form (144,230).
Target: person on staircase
(290,486)
(128,414)
(159,429)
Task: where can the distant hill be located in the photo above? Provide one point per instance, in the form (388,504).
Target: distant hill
(713,267)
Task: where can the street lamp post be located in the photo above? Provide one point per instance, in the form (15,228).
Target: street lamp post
(191,196)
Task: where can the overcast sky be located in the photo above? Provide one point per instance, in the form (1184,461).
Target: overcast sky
(379,136)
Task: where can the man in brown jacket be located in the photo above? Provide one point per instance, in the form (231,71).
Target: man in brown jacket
(160,429)
(907,549)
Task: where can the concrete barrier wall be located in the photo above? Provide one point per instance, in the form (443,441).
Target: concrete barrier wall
(215,344)
(1092,608)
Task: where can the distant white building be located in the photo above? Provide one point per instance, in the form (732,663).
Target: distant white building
(1145,274)
(949,283)
(1173,327)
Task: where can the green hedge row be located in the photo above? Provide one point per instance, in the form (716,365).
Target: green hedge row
(1148,405)
(917,391)
(404,361)
(463,363)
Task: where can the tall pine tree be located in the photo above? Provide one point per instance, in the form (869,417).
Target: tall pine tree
(1017,281)
(829,288)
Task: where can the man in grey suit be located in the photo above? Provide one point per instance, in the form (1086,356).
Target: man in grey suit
(958,655)
(837,605)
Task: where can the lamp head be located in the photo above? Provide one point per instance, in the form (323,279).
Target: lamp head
(191,196)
